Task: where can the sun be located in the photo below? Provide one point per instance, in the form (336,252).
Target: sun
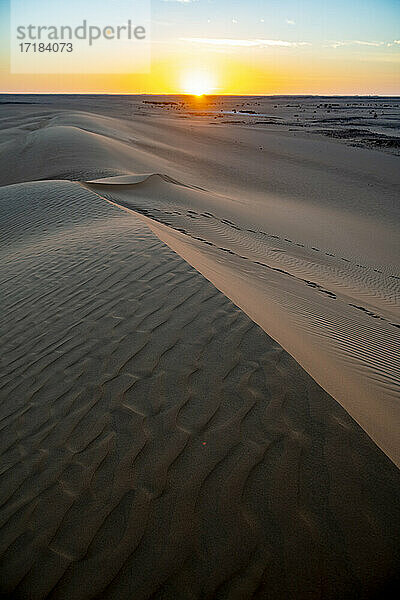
(197,84)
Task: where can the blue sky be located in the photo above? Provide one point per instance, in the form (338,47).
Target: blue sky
(314,20)
(308,20)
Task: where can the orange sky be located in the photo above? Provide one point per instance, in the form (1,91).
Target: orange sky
(285,52)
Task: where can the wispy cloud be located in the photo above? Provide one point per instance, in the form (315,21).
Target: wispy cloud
(290,22)
(363,43)
(339,44)
(245,43)
(264,43)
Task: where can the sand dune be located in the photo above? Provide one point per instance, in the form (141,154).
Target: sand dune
(342,316)
(156,442)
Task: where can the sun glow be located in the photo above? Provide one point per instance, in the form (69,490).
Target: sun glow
(197,84)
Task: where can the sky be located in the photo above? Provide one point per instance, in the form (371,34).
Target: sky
(243,47)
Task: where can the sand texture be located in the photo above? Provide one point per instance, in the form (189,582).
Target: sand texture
(200,368)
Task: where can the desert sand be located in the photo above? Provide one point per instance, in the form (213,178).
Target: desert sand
(200,347)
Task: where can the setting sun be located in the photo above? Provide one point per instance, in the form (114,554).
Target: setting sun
(197,84)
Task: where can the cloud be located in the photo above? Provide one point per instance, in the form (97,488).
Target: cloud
(361,43)
(252,43)
(181,1)
(339,44)
(220,42)
(290,22)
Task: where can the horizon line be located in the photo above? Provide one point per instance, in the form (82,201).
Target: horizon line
(303,94)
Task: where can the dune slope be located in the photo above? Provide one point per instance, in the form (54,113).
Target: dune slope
(155,441)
